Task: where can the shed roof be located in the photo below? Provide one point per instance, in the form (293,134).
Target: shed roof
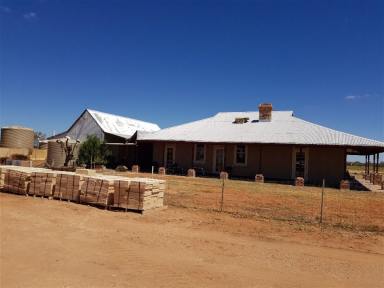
(112,124)
(121,126)
(284,128)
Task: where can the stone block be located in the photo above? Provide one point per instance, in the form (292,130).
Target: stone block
(259,178)
(135,169)
(191,173)
(345,185)
(224,175)
(162,171)
(299,181)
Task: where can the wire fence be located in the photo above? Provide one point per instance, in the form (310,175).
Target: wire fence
(355,210)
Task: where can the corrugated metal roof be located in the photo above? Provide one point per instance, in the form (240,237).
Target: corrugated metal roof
(283,129)
(121,126)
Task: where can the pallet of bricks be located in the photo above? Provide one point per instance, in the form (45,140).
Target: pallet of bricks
(67,186)
(42,182)
(15,179)
(129,193)
(97,190)
(2,176)
(139,193)
(27,180)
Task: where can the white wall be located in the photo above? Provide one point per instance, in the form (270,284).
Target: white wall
(84,126)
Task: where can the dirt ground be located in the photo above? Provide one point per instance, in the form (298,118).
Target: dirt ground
(46,243)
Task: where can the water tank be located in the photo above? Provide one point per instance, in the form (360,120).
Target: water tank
(17,137)
(56,153)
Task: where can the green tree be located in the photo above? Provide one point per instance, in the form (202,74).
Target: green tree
(93,151)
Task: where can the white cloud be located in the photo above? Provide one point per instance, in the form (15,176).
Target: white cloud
(5,9)
(356,97)
(30,15)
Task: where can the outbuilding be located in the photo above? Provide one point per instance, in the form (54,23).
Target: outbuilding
(118,132)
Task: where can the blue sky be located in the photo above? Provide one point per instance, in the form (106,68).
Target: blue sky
(171,62)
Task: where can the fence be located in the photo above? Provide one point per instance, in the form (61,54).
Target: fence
(361,211)
(355,210)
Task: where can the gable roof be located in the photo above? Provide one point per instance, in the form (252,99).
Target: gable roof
(121,126)
(113,124)
(284,128)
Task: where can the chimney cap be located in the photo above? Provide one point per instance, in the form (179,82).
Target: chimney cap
(265,105)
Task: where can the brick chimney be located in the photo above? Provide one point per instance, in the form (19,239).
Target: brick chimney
(265,112)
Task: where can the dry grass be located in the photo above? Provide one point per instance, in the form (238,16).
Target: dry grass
(360,169)
(352,210)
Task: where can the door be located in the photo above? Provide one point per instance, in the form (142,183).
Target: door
(145,156)
(218,159)
(300,163)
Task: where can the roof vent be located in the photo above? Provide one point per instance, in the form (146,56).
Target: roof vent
(265,112)
(241,120)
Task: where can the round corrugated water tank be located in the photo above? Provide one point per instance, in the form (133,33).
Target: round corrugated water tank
(17,137)
(56,153)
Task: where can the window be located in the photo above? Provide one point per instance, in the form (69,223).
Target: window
(199,152)
(241,154)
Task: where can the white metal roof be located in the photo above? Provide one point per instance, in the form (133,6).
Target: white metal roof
(284,128)
(121,126)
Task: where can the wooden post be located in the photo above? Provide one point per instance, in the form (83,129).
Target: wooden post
(322,202)
(225,158)
(366,169)
(222,195)
(345,163)
(369,158)
(378,162)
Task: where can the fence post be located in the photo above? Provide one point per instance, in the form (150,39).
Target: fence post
(322,202)
(222,196)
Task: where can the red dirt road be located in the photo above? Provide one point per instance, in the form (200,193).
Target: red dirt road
(58,244)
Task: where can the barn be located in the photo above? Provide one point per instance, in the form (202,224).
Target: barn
(277,144)
(117,132)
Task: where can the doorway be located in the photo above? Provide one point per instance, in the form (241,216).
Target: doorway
(300,163)
(169,155)
(218,159)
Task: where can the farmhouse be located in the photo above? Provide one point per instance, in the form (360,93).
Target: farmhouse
(117,132)
(273,143)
